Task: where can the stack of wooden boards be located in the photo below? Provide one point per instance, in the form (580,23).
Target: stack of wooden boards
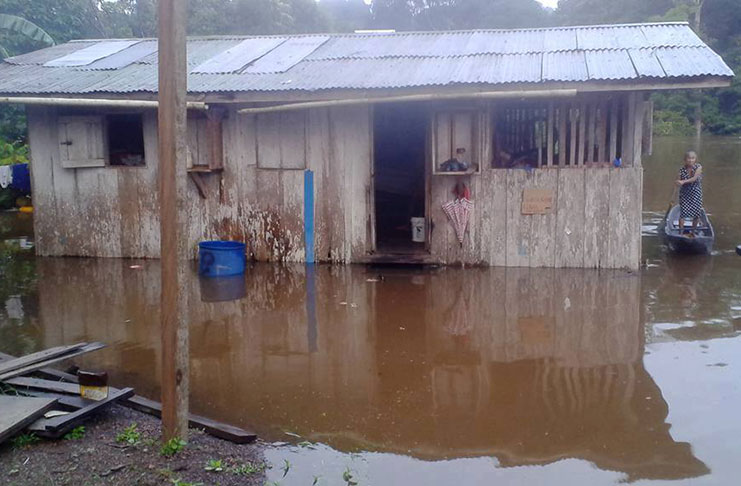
(49,404)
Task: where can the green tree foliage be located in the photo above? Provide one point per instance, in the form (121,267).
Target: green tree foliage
(458,14)
(589,12)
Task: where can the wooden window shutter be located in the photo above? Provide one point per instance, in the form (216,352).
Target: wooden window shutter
(81,141)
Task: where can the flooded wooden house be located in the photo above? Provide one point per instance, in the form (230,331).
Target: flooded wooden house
(488,147)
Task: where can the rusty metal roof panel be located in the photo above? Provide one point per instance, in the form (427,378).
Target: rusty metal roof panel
(609,64)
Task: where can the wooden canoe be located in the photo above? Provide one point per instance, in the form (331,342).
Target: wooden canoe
(699,242)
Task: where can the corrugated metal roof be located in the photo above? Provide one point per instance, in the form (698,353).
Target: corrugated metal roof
(235,58)
(669,52)
(286,55)
(92,53)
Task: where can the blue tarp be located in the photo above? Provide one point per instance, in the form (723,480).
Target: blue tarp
(21,180)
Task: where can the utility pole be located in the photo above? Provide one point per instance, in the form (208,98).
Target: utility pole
(171,119)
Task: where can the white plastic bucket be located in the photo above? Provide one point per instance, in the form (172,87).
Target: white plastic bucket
(418,230)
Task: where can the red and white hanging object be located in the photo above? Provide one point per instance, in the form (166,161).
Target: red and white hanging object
(459,210)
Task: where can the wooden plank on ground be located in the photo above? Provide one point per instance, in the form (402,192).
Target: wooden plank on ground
(217,429)
(64,402)
(212,427)
(46,385)
(58,426)
(37,357)
(18,412)
(31,368)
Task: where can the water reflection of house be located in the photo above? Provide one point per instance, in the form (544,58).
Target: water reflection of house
(541,365)
(541,113)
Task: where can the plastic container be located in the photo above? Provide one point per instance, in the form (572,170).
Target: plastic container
(221,258)
(418,230)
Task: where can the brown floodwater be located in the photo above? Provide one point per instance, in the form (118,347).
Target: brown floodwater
(437,376)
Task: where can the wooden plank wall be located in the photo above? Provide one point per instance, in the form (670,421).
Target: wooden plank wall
(596,222)
(112,212)
(257,198)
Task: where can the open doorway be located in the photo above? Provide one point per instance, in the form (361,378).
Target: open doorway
(399,151)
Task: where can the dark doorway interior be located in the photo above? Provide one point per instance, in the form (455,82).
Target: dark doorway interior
(399,148)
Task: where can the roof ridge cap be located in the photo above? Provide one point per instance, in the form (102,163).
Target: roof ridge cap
(391,34)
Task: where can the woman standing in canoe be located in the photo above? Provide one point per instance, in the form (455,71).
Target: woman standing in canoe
(690,191)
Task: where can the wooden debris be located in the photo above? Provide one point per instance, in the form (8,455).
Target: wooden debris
(56,427)
(41,356)
(86,348)
(47,385)
(69,386)
(18,412)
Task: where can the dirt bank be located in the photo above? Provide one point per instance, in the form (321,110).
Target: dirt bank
(97,458)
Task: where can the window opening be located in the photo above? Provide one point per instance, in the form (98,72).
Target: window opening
(565,133)
(125,134)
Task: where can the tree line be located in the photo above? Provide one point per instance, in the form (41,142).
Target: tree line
(718,22)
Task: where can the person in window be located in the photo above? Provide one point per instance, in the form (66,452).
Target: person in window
(690,191)
(457,163)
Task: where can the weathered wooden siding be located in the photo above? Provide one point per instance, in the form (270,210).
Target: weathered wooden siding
(595,222)
(257,198)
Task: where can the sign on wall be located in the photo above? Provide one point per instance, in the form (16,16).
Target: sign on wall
(537,201)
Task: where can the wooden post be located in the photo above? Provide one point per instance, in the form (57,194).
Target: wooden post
(572,132)
(614,107)
(562,113)
(172,180)
(582,132)
(602,133)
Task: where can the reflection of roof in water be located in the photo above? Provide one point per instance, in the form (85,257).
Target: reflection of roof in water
(549,366)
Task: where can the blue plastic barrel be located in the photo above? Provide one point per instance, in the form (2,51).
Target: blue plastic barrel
(221,258)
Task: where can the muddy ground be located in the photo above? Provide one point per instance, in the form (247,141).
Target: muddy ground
(97,458)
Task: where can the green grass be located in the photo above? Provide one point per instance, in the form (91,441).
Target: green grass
(24,440)
(214,465)
(75,434)
(172,447)
(249,468)
(129,435)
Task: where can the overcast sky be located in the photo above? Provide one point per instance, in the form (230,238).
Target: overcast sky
(549,3)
